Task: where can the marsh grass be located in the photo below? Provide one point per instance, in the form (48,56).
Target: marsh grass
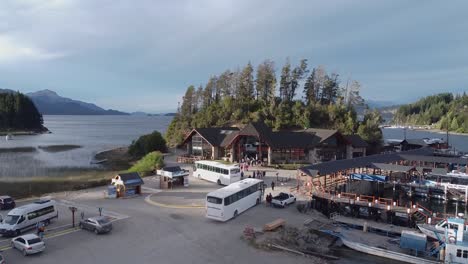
(20,187)
(58,148)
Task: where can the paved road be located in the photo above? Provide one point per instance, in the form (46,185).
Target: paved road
(154,234)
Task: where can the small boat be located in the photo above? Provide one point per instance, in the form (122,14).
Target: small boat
(8,137)
(437,232)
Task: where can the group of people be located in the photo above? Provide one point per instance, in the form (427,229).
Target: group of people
(255,174)
(268,199)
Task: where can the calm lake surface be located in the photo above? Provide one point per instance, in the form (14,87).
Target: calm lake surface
(99,133)
(93,133)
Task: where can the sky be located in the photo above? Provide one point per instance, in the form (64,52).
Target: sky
(142,55)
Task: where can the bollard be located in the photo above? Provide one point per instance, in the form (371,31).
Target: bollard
(364,227)
(100,211)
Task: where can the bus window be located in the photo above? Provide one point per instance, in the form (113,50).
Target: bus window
(214,200)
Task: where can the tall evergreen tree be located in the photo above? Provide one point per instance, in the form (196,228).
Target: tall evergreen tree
(266,82)
(285,81)
(296,76)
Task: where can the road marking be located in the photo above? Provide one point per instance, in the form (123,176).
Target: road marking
(149,201)
(84,207)
(49,236)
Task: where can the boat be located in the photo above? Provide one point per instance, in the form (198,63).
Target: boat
(437,232)
(378,251)
(8,137)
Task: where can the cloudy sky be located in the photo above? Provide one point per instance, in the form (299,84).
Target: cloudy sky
(141,55)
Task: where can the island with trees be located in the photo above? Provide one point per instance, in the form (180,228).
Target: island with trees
(300,98)
(443,111)
(18,114)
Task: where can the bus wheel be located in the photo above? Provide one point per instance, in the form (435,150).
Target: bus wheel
(235,214)
(219,182)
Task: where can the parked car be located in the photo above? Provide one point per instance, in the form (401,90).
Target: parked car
(6,202)
(2,260)
(28,244)
(98,224)
(283,199)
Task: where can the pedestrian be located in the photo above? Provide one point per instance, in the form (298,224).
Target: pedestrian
(269,198)
(40,229)
(264,174)
(277,176)
(272,185)
(242,175)
(253,174)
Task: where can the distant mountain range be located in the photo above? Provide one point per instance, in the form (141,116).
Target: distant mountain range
(50,103)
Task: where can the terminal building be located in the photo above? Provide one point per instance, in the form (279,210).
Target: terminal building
(258,141)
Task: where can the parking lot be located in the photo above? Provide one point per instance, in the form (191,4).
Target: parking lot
(146,233)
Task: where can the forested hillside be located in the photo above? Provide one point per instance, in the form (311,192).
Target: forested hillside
(442,110)
(18,113)
(299,98)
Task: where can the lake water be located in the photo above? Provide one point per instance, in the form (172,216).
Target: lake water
(459,142)
(99,133)
(93,133)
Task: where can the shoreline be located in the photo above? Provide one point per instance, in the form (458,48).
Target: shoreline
(26,133)
(438,131)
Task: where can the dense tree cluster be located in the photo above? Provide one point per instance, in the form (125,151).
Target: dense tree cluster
(301,98)
(18,113)
(147,144)
(442,110)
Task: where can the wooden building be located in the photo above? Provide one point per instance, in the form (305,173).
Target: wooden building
(127,184)
(258,141)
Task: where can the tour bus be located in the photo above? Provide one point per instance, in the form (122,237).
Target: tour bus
(228,202)
(27,216)
(217,172)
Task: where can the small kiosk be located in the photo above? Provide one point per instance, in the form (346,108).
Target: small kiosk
(170,177)
(127,184)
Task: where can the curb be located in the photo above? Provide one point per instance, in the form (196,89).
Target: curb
(151,202)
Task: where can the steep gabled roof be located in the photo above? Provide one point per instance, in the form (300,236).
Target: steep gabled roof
(323,134)
(290,139)
(356,141)
(213,135)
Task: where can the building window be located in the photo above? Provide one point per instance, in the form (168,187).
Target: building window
(465,253)
(459,253)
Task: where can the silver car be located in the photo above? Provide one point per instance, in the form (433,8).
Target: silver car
(98,224)
(28,244)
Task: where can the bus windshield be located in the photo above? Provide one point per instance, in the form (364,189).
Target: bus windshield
(214,200)
(11,219)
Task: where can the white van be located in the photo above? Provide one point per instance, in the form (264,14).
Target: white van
(27,216)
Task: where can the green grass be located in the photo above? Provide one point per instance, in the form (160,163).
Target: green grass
(151,161)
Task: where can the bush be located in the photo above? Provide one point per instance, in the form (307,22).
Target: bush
(146,144)
(153,160)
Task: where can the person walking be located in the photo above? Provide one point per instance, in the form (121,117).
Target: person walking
(242,175)
(272,185)
(40,229)
(268,199)
(264,174)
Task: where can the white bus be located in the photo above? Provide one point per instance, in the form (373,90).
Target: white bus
(27,216)
(217,172)
(228,202)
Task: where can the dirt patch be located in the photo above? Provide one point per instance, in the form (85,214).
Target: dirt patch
(305,241)
(115,159)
